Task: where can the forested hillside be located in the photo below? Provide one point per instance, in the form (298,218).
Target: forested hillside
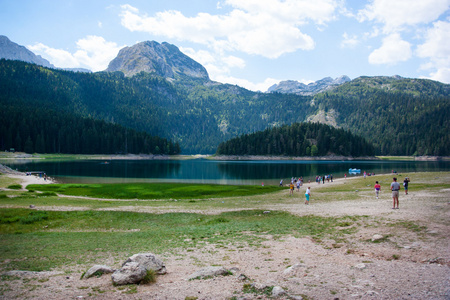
(197,114)
(300,139)
(44,130)
(399,116)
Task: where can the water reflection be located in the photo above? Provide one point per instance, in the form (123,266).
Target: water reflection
(209,171)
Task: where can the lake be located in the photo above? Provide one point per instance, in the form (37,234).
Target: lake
(211,171)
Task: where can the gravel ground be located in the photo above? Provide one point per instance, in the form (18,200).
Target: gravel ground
(407,264)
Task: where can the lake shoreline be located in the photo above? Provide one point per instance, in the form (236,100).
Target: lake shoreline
(107,157)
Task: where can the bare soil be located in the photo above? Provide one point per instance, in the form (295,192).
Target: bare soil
(410,262)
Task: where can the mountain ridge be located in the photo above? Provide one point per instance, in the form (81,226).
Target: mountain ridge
(298,88)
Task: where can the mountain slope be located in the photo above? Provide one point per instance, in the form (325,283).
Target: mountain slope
(163,60)
(399,116)
(13,51)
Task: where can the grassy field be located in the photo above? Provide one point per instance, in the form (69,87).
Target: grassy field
(50,238)
(154,190)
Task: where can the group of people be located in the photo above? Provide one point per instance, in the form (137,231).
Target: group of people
(295,182)
(395,187)
(321,179)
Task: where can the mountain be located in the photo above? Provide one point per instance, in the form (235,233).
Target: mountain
(13,51)
(164,60)
(295,87)
(399,116)
(171,96)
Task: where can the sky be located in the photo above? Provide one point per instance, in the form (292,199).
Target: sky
(251,43)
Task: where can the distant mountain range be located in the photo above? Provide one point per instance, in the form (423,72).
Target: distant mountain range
(298,88)
(155,88)
(163,60)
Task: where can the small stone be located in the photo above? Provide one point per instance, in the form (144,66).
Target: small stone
(377,237)
(360,266)
(278,291)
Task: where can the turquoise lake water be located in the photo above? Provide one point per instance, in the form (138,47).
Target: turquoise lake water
(211,171)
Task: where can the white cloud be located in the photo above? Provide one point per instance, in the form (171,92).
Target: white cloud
(396,14)
(269,28)
(392,51)
(437,49)
(349,41)
(93,53)
(261,86)
(292,11)
(57,57)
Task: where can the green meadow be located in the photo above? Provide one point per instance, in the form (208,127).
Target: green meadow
(118,220)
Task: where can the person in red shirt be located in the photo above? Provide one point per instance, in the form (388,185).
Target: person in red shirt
(377,188)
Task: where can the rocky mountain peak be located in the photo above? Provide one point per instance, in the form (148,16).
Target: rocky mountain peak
(13,51)
(164,59)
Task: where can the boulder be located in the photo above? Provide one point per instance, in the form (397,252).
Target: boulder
(209,272)
(130,273)
(278,291)
(97,269)
(149,262)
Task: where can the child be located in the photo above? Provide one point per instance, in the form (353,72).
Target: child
(377,188)
(307,195)
(291,188)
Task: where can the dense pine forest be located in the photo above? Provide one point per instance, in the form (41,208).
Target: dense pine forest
(398,116)
(47,131)
(300,139)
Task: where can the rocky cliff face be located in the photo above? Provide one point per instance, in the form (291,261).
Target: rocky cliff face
(13,51)
(164,59)
(295,87)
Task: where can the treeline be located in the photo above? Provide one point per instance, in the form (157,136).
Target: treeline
(195,114)
(48,131)
(398,116)
(300,139)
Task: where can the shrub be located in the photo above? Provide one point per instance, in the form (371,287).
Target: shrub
(150,277)
(15,187)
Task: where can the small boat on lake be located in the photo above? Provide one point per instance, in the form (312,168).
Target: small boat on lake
(354,170)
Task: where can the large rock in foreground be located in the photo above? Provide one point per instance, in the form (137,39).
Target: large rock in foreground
(148,261)
(130,273)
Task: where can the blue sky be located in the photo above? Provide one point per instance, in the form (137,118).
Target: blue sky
(251,43)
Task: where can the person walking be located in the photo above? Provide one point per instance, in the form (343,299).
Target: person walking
(405,185)
(377,188)
(395,187)
(307,195)
(291,189)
